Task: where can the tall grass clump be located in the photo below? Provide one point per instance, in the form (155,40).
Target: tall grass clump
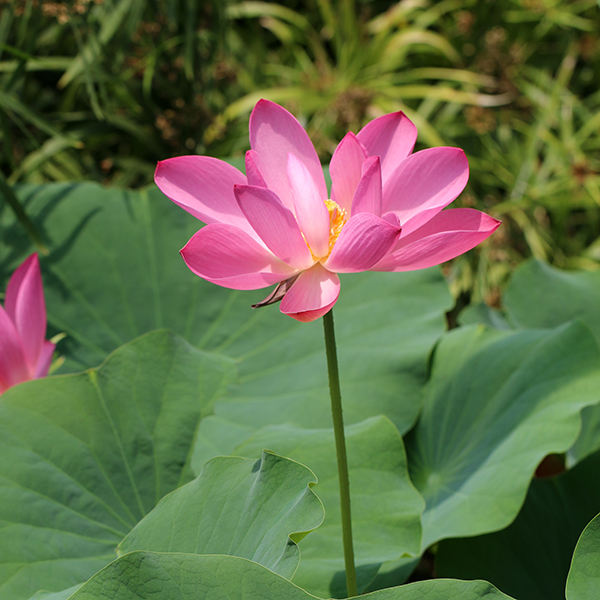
(101,89)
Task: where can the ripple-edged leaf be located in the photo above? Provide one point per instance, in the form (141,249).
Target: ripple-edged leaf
(386,508)
(236,506)
(84,457)
(583,581)
(540,296)
(496,404)
(148,575)
(530,558)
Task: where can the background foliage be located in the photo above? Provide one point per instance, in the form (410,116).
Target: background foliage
(102,89)
(94,92)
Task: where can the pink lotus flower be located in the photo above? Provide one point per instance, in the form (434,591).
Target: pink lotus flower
(24,352)
(278,224)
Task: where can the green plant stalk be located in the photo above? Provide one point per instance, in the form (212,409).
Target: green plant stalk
(340,447)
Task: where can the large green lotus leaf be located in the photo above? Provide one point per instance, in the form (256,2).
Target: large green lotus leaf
(237,506)
(485,315)
(386,508)
(218,437)
(583,581)
(114,272)
(155,576)
(84,457)
(385,327)
(530,559)
(62,595)
(542,296)
(440,589)
(588,441)
(497,402)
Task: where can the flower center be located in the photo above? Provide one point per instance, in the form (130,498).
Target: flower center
(337,220)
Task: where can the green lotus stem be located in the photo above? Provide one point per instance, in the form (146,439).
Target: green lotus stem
(340,447)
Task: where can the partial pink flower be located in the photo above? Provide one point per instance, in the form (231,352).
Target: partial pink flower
(24,352)
(278,224)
